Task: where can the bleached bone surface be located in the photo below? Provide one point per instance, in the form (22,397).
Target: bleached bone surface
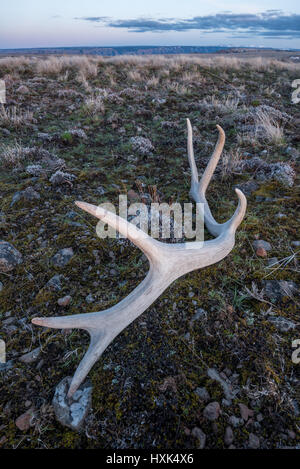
(167,263)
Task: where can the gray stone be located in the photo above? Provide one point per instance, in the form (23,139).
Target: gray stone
(72,412)
(6,366)
(63,257)
(246,413)
(200,435)
(212,411)
(90,298)
(248,187)
(200,314)
(28,194)
(260,243)
(282,324)
(275,290)
(227,387)
(228,438)
(1,287)
(203,394)
(55,282)
(9,257)
(30,357)
(100,190)
(254,442)
(235,421)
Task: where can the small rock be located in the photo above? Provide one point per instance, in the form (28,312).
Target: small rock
(212,411)
(55,282)
(65,301)
(275,290)
(245,411)
(200,314)
(254,442)
(228,438)
(9,257)
(100,190)
(63,257)
(261,252)
(248,187)
(23,422)
(273,261)
(227,387)
(72,412)
(6,366)
(235,421)
(90,298)
(200,435)
(282,324)
(30,357)
(226,402)
(260,243)
(203,394)
(1,287)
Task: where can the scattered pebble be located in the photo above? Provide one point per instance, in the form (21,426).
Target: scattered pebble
(30,357)
(72,412)
(261,252)
(23,422)
(228,438)
(245,411)
(260,243)
(63,257)
(203,394)
(254,442)
(9,257)
(212,411)
(200,435)
(65,301)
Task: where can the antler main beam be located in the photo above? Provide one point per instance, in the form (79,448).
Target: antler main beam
(167,263)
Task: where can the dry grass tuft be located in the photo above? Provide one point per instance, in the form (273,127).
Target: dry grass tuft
(267,126)
(11,156)
(94,105)
(12,116)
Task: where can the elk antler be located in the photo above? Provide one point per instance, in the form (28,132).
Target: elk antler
(167,263)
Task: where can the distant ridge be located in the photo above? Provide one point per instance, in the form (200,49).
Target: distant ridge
(136,50)
(119,50)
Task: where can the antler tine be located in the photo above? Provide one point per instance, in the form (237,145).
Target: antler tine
(198,189)
(142,240)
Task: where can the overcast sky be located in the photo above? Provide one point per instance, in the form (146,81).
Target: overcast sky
(47,23)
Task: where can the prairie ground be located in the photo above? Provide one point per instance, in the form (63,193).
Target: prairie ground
(221,335)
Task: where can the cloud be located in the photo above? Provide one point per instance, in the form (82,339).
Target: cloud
(94,19)
(271,23)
